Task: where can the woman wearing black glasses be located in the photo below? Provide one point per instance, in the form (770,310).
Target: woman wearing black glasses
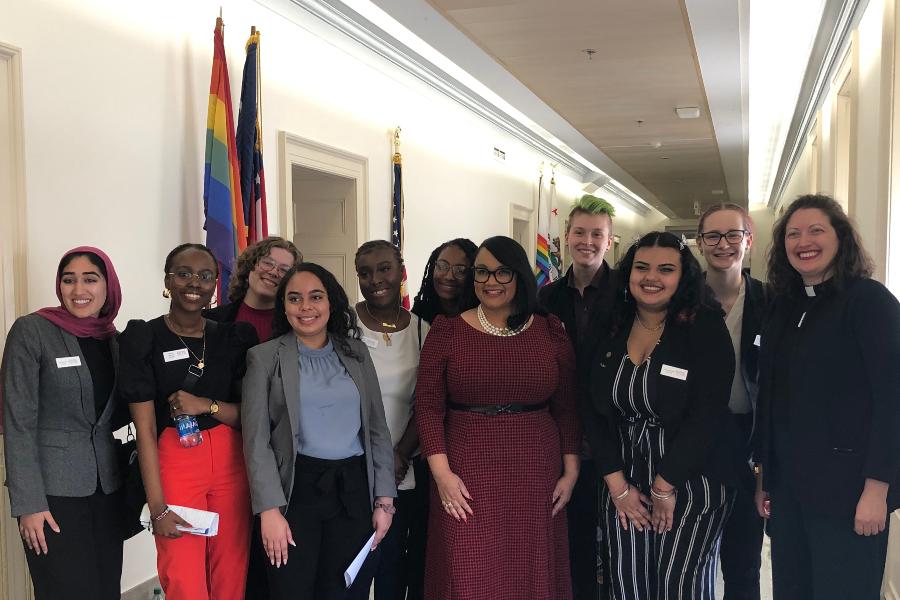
(178,365)
(724,237)
(447,283)
(495,407)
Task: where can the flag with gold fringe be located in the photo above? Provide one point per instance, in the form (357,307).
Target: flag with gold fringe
(397,213)
(223,209)
(249,145)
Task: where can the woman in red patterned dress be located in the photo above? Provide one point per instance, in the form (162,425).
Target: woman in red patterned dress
(495,407)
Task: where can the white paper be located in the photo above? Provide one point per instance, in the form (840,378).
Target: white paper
(353,570)
(203,522)
(68,361)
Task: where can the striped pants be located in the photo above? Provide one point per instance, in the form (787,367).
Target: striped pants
(677,565)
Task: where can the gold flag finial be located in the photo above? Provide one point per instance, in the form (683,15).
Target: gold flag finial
(397,145)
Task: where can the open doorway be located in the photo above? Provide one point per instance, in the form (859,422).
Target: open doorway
(323,204)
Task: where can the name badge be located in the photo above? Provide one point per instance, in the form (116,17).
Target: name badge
(674,372)
(757,341)
(175,355)
(370,342)
(68,361)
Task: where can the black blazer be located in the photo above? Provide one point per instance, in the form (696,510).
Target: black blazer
(556,299)
(224,313)
(842,394)
(693,410)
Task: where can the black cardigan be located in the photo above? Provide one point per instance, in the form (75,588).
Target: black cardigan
(756,305)
(844,400)
(694,411)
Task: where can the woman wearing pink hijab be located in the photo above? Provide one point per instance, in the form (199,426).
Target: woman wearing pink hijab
(64,483)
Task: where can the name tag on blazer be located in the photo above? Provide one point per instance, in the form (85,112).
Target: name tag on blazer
(674,372)
(68,361)
(757,341)
(175,355)
(370,342)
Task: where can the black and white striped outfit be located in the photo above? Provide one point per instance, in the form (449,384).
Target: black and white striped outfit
(679,564)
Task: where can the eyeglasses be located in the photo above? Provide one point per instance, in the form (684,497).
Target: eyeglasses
(459,271)
(734,236)
(267,264)
(186,276)
(501,275)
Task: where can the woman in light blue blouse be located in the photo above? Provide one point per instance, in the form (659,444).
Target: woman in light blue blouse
(318,450)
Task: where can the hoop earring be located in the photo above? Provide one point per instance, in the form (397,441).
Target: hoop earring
(167,293)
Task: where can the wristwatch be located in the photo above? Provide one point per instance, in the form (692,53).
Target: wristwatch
(213,407)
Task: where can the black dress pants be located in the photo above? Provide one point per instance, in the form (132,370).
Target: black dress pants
(330,519)
(741,547)
(819,557)
(257,577)
(582,514)
(85,557)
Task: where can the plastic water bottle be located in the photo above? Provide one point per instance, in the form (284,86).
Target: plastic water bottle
(189,434)
(157,594)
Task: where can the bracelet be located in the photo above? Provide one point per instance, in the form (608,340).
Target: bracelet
(662,495)
(388,508)
(623,494)
(161,515)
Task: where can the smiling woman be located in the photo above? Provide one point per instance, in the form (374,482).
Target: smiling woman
(63,478)
(182,364)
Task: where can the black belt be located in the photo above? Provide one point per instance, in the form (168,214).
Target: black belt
(497,409)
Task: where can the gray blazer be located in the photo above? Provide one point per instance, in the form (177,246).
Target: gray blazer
(269,408)
(55,442)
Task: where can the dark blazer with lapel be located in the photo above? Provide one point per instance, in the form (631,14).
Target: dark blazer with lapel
(224,313)
(843,394)
(756,304)
(556,299)
(269,416)
(55,443)
(693,411)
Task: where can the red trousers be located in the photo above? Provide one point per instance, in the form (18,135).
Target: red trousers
(210,477)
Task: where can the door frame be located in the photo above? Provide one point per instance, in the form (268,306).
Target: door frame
(303,152)
(15,582)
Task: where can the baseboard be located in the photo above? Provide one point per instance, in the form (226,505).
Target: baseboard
(142,591)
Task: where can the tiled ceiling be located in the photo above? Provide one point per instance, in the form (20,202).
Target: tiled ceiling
(623,96)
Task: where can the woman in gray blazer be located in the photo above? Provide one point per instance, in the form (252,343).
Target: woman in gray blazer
(64,483)
(318,451)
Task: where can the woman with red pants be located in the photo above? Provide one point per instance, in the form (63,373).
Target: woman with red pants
(182,364)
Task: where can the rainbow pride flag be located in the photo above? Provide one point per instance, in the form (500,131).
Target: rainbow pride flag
(545,272)
(226,233)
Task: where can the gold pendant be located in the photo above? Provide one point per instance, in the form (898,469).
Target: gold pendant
(200,364)
(391,325)
(387,338)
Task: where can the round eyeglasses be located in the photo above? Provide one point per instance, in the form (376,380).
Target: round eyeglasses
(733,236)
(187,276)
(459,271)
(501,275)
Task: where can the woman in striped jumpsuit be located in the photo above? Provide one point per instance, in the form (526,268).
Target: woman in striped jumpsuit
(658,423)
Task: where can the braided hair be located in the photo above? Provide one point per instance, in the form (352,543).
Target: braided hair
(427,304)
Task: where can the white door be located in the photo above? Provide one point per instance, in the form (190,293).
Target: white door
(325,222)
(15,583)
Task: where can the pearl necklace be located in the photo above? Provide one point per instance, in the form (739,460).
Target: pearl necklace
(498,331)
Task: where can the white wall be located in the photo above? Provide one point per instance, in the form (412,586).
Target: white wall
(115,97)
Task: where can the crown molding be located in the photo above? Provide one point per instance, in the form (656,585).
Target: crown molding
(839,18)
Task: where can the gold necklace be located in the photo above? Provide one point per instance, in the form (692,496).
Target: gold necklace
(657,328)
(200,359)
(384,334)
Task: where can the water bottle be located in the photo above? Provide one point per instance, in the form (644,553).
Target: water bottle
(157,594)
(189,434)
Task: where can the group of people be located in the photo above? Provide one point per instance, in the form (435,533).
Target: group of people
(482,439)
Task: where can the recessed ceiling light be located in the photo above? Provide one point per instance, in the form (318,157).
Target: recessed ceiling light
(687,112)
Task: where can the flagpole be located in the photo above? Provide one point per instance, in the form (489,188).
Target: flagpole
(398,159)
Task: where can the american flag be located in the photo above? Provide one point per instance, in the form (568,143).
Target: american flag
(397,215)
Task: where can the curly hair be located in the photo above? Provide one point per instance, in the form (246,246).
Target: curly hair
(851,261)
(170,257)
(691,293)
(427,304)
(341,318)
(247,261)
